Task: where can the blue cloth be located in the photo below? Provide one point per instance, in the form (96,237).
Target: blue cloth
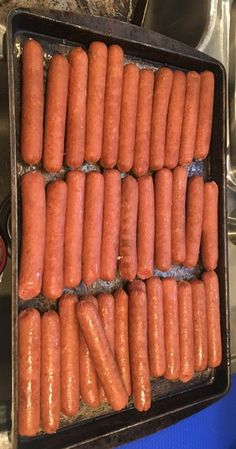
(212,428)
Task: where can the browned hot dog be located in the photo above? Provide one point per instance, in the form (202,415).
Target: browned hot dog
(185,331)
(141,388)
(75,181)
(114,81)
(171,326)
(195,201)
(29,372)
(76,107)
(93,211)
(70,394)
(162,90)
(55,115)
(32,102)
(128,115)
(102,356)
(163,201)
(143,123)
(32,235)
(209,244)
(97,68)
(178,243)
(205,115)
(53,283)
(122,337)
(128,228)
(50,372)
(211,284)
(111,224)
(155,320)
(199,325)
(146,224)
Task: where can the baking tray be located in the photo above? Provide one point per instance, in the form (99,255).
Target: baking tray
(171,401)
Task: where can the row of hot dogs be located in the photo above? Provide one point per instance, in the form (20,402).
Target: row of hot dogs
(84,226)
(106,349)
(98,109)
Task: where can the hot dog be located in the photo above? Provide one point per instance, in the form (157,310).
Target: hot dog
(195,201)
(122,337)
(146,224)
(141,388)
(143,123)
(114,80)
(171,327)
(102,356)
(93,210)
(178,243)
(209,243)
(53,283)
(76,107)
(162,90)
(205,115)
(211,284)
(32,102)
(55,114)
(50,372)
(29,372)
(175,119)
(111,224)
(128,228)
(163,201)
(189,126)
(69,327)
(129,102)
(97,68)
(75,181)
(155,320)
(185,331)
(199,325)
(32,234)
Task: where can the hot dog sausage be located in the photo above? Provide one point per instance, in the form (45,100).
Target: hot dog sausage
(97,68)
(185,331)
(114,80)
(163,201)
(211,284)
(29,372)
(54,241)
(128,228)
(102,356)
(199,325)
(32,102)
(205,115)
(195,201)
(155,320)
(111,224)
(141,388)
(93,211)
(70,395)
(162,90)
(76,107)
(171,327)
(143,123)
(146,224)
(178,243)
(129,102)
(75,181)
(50,372)
(32,234)
(175,119)
(189,126)
(55,115)
(122,337)
(209,244)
